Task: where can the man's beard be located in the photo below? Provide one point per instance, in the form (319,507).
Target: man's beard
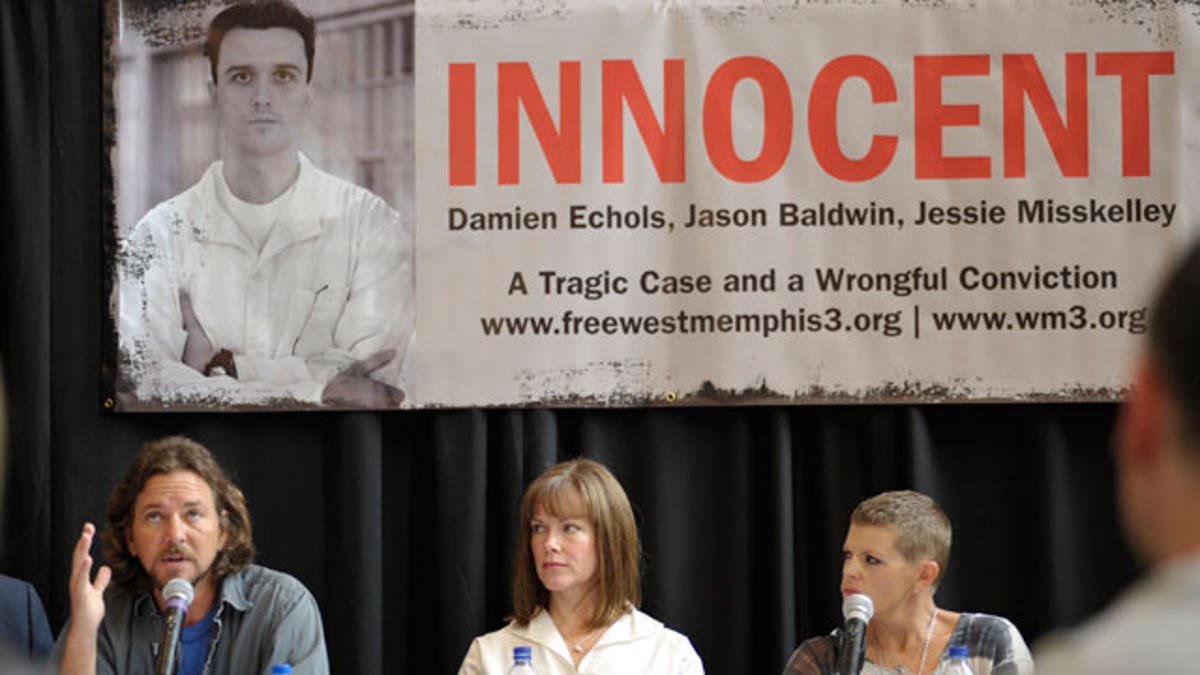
(160,578)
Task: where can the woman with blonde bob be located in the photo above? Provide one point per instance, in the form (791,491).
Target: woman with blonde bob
(576,588)
(895,552)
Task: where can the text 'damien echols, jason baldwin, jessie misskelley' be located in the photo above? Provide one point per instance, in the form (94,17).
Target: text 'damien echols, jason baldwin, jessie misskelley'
(698,217)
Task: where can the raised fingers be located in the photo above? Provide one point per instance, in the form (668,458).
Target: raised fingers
(102,578)
(81,559)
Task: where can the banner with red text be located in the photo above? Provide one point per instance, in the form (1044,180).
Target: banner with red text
(625,202)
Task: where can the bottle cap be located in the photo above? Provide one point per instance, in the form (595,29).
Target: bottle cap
(959,651)
(281,669)
(523,653)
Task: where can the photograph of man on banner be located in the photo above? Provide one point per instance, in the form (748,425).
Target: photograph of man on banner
(268,282)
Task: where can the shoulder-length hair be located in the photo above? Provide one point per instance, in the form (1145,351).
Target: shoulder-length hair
(165,455)
(617,583)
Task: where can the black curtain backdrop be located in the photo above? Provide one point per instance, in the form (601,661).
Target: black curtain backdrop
(402,523)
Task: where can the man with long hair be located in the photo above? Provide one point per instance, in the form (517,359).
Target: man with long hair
(176,514)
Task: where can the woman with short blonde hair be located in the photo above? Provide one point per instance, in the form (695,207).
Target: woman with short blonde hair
(895,553)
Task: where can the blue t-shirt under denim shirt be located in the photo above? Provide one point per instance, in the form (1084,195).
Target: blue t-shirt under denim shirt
(195,644)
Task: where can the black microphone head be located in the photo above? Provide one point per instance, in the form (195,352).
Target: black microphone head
(180,590)
(858,606)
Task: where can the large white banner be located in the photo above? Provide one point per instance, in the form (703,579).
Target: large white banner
(625,202)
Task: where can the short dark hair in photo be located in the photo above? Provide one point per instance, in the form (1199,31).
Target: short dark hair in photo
(260,15)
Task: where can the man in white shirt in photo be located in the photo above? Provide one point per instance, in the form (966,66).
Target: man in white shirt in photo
(268,281)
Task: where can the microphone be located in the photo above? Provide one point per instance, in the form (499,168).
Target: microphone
(177,594)
(852,650)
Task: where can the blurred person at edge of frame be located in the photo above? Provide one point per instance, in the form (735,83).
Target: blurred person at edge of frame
(896,550)
(268,279)
(1152,627)
(12,661)
(576,586)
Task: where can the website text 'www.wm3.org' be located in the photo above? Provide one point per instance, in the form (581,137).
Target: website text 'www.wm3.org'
(830,320)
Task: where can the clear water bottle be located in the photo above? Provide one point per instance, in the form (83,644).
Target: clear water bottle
(957,664)
(522,661)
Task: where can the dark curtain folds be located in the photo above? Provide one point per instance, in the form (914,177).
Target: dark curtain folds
(402,524)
